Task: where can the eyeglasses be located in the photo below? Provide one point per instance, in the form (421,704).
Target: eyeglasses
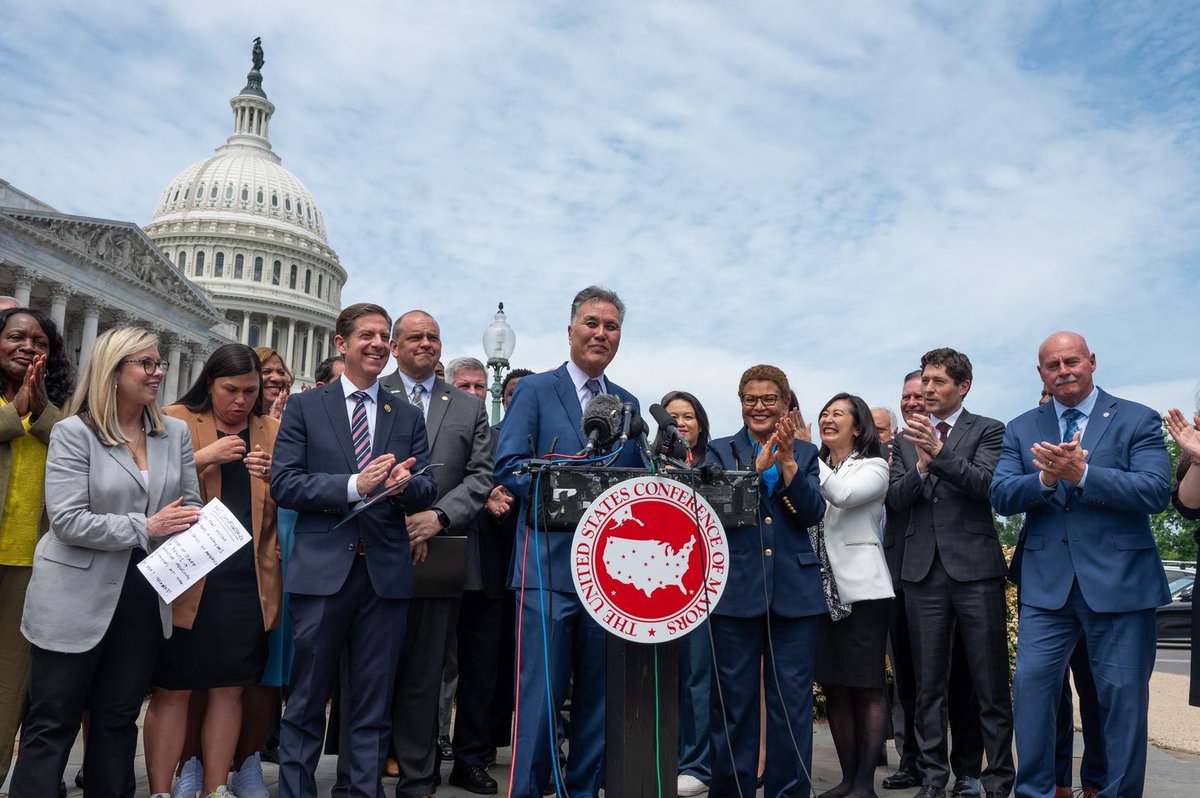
(767,399)
(150,366)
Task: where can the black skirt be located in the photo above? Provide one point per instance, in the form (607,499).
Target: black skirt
(227,644)
(850,651)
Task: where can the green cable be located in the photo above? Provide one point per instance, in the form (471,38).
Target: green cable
(657,749)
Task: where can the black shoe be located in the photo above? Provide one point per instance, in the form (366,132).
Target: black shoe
(473,778)
(62,789)
(929,791)
(902,779)
(967,787)
(79,778)
(270,755)
(444,751)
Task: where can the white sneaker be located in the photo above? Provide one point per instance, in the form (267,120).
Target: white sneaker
(247,781)
(221,792)
(190,780)
(688,785)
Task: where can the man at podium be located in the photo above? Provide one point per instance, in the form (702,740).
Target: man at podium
(557,639)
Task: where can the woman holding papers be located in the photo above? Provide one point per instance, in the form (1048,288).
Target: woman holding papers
(119,476)
(854,482)
(35,382)
(220,638)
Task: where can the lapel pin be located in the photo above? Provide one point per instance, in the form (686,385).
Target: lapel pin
(1106,414)
(387,408)
(445,398)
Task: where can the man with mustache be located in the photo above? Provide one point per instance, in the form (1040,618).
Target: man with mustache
(1087,469)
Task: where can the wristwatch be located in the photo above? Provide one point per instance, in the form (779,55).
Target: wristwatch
(443,519)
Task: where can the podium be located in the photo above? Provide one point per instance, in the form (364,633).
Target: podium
(642,691)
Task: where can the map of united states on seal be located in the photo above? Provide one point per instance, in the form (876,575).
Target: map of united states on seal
(647,565)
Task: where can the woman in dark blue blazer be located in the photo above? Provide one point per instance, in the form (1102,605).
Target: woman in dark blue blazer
(772,601)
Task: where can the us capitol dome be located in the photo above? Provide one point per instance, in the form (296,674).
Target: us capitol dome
(249,232)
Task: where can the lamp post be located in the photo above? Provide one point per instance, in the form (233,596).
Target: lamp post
(499,341)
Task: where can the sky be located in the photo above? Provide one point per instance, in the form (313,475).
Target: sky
(830,187)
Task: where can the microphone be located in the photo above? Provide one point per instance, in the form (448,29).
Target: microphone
(627,416)
(674,440)
(600,422)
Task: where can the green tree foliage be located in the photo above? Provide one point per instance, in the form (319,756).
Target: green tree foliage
(1173,535)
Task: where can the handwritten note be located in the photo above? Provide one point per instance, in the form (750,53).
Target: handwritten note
(182,560)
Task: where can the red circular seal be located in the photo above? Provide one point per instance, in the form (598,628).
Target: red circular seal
(650,559)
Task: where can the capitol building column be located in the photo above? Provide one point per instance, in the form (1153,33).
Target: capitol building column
(25,280)
(266,339)
(197,358)
(245,337)
(91,323)
(174,356)
(290,356)
(59,295)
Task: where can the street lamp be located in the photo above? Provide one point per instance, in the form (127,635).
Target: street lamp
(499,341)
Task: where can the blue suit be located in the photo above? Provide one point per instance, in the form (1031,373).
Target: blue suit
(1087,567)
(338,595)
(545,411)
(771,604)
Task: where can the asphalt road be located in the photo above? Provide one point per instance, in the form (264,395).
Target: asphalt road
(1173,660)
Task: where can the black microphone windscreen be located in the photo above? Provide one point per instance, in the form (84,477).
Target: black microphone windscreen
(603,415)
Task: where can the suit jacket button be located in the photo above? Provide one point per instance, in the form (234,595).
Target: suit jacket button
(350,546)
(1064,540)
(936,499)
(768,520)
(768,552)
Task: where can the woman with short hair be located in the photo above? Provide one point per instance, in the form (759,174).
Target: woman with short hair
(772,600)
(119,477)
(35,382)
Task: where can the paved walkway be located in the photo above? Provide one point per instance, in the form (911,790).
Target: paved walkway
(1169,774)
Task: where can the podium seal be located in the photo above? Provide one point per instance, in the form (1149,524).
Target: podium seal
(650,559)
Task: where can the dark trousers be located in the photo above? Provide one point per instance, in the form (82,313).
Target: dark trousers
(1091,766)
(109,681)
(784,647)
(372,628)
(415,699)
(935,606)
(556,624)
(966,742)
(1121,649)
(695,687)
(480,630)
(504,697)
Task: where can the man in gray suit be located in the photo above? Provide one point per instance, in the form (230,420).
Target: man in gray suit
(953,569)
(460,440)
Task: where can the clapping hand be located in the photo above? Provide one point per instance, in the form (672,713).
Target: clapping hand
(919,430)
(803,431)
(1065,461)
(376,472)
(1186,435)
(31,398)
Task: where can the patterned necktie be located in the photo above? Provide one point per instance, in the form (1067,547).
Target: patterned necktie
(360,431)
(1071,416)
(593,389)
(415,397)
(943,431)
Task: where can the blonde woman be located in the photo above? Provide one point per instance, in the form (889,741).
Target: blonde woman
(119,476)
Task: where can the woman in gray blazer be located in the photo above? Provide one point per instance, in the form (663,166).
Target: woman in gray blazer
(119,476)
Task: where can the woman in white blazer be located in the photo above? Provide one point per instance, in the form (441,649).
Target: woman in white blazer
(119,476)
(850,651)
